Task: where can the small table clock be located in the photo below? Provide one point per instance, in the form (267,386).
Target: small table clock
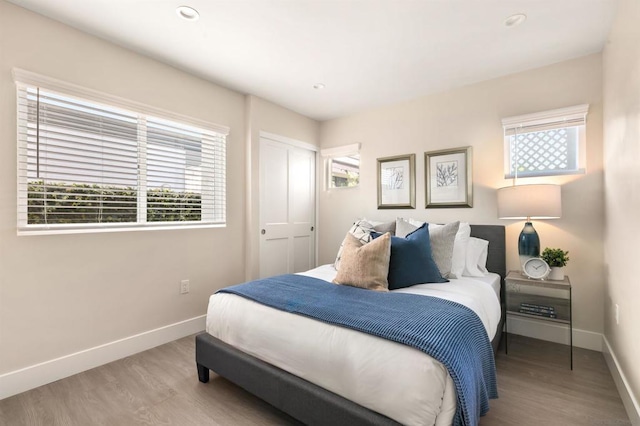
(536,268)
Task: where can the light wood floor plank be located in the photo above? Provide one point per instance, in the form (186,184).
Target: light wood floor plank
(536,386)
(160,387)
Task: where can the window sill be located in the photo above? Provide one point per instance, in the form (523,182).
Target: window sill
(92,229)
(546,173)
(340,188)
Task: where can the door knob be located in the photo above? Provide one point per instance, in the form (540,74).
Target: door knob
(312,228)
(263,232)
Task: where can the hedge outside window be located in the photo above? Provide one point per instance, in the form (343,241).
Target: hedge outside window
(86,164)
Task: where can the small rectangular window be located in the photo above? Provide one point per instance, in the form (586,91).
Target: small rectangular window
(345,171)
(546,144)
(84,164)
(343,166)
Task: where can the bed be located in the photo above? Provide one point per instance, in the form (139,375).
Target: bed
(299,387)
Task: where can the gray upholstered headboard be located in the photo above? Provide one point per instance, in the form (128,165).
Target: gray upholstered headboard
(497,263)
(495,234)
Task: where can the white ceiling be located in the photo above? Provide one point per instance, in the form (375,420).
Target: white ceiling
(367,52)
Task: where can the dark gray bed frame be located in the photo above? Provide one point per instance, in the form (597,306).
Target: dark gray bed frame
(301,399)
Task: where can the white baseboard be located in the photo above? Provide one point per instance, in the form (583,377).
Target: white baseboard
(552,332)
(628,398)
(22,380)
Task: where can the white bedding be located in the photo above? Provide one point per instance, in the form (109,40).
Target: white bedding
(387,377)
(469,291)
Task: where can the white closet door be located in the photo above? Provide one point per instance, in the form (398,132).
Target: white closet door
(287,208)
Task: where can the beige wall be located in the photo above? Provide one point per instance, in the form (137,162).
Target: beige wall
(60,294)
(622,186)
(63,293)
(264,116)
(471,116)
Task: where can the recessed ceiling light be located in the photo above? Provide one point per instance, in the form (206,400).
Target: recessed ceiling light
(515,20)
(188,13)
(319,86)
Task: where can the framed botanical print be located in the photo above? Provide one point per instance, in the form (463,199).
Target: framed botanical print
(448,178)
(397,182)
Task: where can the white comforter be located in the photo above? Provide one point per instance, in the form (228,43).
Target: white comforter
(398,381)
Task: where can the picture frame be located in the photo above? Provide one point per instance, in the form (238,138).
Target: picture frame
(449,178)
(397,182)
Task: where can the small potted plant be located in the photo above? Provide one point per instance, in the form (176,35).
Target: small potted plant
(557,259)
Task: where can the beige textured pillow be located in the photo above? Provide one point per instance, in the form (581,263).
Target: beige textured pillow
(365,265)
(362,231)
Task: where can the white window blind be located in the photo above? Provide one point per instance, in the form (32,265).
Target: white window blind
(84,164)
(546,143)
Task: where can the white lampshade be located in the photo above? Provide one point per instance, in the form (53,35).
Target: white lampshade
(530,201)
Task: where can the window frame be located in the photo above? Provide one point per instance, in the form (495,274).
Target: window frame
(574,116)
(338,152)
(24,79)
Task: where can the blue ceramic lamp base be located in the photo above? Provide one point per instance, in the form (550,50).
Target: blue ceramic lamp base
(528,243)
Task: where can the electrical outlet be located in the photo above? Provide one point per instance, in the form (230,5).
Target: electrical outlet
(184,286)
(617,314)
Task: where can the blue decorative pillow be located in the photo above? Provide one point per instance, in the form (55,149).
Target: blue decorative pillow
(411,261)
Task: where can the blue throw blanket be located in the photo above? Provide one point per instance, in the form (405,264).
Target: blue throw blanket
(447,331)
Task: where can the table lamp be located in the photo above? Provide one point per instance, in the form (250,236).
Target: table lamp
(529,202)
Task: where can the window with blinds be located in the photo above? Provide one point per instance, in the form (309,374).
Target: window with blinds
(84,164)
(546,143)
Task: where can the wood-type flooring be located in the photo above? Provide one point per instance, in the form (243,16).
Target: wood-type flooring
(160,387)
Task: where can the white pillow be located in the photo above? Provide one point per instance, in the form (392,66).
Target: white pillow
(477,251)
